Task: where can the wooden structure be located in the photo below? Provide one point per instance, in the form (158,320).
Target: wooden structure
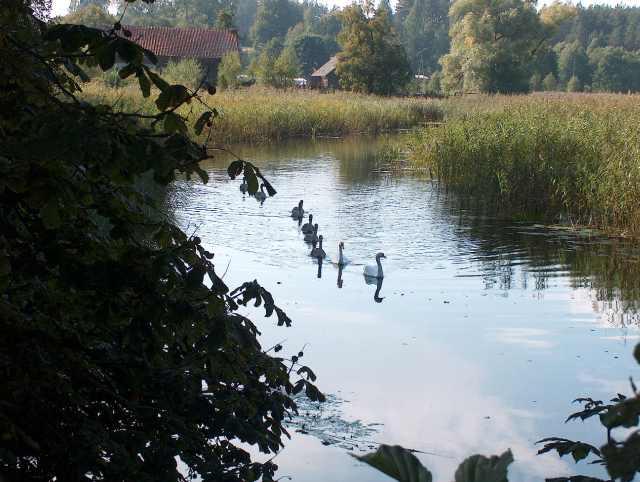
(205,45)
(325,77)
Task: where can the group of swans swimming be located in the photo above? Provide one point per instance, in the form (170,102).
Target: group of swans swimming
(310,231)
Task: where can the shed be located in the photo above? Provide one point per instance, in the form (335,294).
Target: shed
(205,45)
(325,77)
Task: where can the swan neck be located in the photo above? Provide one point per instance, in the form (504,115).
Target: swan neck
(379,263)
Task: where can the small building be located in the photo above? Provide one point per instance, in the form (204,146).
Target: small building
(325,77)
(171,44)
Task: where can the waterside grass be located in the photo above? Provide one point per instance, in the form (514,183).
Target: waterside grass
(258,115)
(573,158)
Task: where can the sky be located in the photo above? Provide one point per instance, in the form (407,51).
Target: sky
(60,7)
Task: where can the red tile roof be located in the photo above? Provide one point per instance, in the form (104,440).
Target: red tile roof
(199,43)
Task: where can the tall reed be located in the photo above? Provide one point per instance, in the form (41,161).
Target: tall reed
(259,114)
(543,158)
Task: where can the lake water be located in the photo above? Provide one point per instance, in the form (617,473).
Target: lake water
(479,338)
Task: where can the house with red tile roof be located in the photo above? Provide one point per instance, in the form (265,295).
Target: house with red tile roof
(206,45)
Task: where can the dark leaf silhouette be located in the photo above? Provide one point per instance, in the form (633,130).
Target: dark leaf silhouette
(398,463)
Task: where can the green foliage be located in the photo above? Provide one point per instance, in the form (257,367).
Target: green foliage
(615,70)
(313,50)
(187,71)
(549,83)
(491,45)
(285,68)
(263,65)
(574,84)
(76,5)
(425,34)
(174,13)
(122,349)
(620,455)
(372,59)
(228,71)
(91,15)
(400,464)
(535,83)
(541,158)
(273,19)
(573,62)
(224,20)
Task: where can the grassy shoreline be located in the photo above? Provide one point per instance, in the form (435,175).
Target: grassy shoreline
(258,115)
(574,158)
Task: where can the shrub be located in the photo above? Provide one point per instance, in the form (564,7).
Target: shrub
(574,84)
(550,83)
(229,70)
(188,72)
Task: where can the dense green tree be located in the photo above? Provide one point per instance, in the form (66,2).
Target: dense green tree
(91,15)
(122,350)
(329,25)
(615,70)
(386,6)
(224,20)
(312,51)
(273,19)
(313,12)
(245,16)
(286,68)
(549,83)
(403,7)
(372,58)
(535,83)
(614,26)
(573,62)
(263,64)
(175,13)
(545,61)
(425,34)
(75,5)
(229,70)
(491,45)
(574,84)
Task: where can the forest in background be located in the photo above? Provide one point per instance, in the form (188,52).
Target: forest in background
(595,48)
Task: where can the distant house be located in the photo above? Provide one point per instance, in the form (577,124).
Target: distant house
(325,77)
(206,45)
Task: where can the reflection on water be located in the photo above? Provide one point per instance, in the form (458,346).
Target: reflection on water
(487,330)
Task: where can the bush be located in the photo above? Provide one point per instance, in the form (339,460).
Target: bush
(229,70)
(187,72)
(550,83)
(574,84)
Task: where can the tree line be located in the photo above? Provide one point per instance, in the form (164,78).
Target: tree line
(454,46)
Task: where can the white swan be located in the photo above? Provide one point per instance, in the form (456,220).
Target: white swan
(313,235)
(319,252)
(375,271)
(244,186)
(308,227)
(297,212)
(260,195)
(342,259)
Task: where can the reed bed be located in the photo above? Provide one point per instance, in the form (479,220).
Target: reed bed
(258,114)
(571,158)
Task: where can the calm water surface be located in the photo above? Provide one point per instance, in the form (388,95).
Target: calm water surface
(485,332)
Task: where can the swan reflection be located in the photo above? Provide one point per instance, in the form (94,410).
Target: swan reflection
(370,280)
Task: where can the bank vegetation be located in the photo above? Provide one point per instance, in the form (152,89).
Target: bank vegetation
(570,158)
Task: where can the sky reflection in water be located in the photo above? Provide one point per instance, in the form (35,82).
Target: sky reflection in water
(485,331)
